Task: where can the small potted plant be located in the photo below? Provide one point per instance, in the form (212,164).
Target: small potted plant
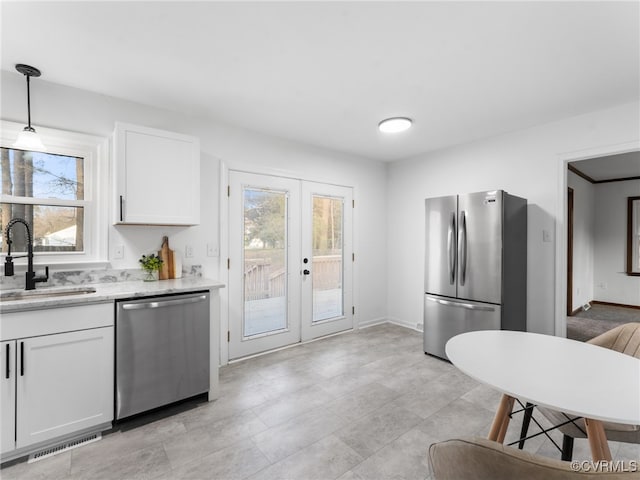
(151,264)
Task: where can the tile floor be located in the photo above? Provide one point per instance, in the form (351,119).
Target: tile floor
(362,405)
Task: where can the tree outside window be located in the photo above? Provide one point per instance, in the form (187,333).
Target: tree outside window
(46,190)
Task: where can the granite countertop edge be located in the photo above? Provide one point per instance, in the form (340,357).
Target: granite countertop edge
(110,291)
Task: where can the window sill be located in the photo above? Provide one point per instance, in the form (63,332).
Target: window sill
(39,264)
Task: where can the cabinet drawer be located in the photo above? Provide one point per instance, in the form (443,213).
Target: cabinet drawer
(56,320)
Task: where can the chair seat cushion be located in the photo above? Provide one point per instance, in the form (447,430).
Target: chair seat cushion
(479,458)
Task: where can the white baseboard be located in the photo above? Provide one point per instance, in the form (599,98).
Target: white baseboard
(372,322)
(413,326)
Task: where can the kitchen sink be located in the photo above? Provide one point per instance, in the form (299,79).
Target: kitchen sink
(13,295)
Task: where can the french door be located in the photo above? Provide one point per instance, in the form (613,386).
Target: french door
(290,261)
(327,259)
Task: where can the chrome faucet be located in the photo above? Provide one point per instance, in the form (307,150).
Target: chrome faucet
(30,277)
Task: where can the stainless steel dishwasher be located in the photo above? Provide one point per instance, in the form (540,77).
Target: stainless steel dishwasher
(162,351)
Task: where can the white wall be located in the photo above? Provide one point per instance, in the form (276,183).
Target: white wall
(67,108)
(611,283)
(583,239)
(389,214)
(524,163)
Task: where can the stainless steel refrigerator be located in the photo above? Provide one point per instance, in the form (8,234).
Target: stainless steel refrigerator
(475,266)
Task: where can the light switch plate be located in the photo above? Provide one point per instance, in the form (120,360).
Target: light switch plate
(212,250)
(118,252)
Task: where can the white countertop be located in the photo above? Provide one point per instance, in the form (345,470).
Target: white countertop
(567,375)
(106,292)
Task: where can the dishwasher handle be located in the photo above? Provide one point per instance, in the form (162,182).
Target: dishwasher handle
(163,303)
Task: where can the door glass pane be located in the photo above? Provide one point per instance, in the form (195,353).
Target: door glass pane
(265,265)
(327,258)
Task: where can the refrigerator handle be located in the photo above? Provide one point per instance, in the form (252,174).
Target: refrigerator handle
(462,247)
(468,306)
(451,248)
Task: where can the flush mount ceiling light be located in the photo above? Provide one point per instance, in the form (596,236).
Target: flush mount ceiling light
(394,124)
(28,139)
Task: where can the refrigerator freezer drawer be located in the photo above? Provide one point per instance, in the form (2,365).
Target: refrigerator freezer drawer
(445,318)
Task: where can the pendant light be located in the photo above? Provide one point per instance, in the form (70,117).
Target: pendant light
(28,139)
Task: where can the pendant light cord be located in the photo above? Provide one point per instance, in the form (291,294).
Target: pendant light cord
(29,102)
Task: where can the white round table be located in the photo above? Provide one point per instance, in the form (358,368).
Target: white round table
(574,377)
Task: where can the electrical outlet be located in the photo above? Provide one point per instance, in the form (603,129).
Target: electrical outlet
(212,250)
(118,252)
(188,251)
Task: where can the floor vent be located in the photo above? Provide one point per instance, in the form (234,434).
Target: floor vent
(63,447)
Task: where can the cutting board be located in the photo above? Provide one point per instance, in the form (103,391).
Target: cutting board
(166,255)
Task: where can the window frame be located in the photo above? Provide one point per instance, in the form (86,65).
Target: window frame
(95,152)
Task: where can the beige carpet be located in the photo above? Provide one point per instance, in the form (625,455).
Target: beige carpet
(598,319)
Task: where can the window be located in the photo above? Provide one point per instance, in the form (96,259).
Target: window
(57,194)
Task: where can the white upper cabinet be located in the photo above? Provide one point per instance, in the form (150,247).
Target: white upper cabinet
(157,177)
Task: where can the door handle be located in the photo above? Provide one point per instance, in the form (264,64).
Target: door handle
(451,248)
(22,359)
(8,369)
(305,272)
(121,202)
(462,247)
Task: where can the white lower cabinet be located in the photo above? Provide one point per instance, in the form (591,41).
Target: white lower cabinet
(56,384)
(8,396)
(64,384)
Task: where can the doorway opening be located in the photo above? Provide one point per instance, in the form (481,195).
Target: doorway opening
(600,295)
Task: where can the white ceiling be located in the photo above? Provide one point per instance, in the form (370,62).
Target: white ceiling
(624,165)
(325,73)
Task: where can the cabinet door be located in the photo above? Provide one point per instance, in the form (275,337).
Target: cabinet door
(157,177)
(65,384)
(7,396)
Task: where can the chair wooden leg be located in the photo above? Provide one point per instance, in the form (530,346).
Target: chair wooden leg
(526,419)
(501,420)
(505,425)
(597,440)
(567,448)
